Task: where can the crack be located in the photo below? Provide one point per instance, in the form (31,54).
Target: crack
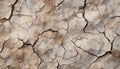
(106,37)
(57,63)
(117,34)
(35,42)
(83,14)
(114,16)
(112,44)
(84,50)
(60,3)
(70,17)
(63,48)
(24,43)
(40,10)
(36,54)
(47,31)
(108,52)
(3,20)
(92,63)
(13,7)
(12,10)
(33,45)
(76,51)
(97,57)
(27,44)
(36,51)
(3,46)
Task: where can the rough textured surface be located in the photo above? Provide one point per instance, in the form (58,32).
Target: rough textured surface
(59,34)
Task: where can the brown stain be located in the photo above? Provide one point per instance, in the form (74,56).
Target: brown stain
(19,15)
(57,38)
(9,44)
(49,4)
(19,55)
(44,24)
(4,32)
(93,2)
(115,56)
(3,20)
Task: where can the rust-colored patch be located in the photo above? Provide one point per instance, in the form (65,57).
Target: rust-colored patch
(3,20)
(49,4)
(115,56)
(116,53)
(19,55)
(58,38)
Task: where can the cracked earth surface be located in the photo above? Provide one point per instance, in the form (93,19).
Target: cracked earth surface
(59,34)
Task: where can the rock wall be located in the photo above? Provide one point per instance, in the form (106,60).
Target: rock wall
(59,34)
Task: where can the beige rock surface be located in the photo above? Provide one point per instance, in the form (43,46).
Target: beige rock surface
(59,34)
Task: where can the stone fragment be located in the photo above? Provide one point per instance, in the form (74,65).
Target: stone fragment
(96,44)
(6,8)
